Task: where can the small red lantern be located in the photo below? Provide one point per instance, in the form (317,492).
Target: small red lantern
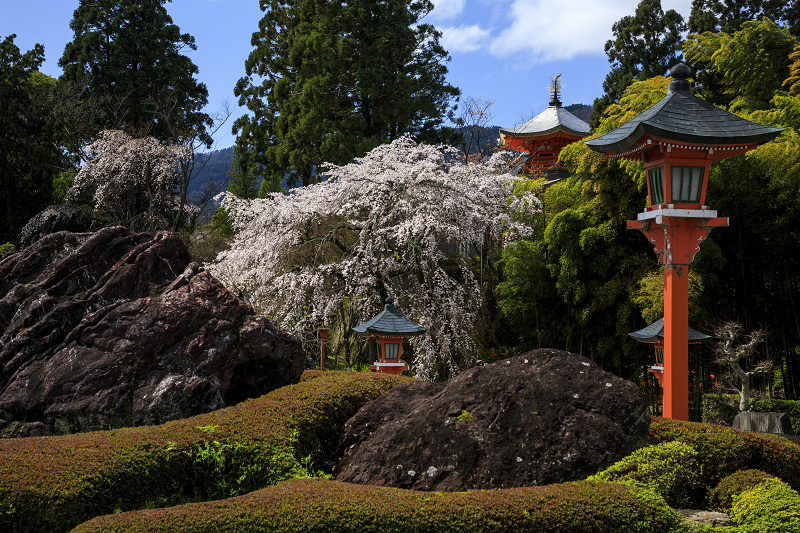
(654,334)
(389,328)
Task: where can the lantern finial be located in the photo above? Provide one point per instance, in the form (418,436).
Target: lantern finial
(680,83)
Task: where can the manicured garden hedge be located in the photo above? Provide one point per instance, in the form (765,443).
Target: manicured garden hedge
(322,505)
(55,483)
(723,451)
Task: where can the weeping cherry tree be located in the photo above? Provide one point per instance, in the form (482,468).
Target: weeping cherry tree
(406,220)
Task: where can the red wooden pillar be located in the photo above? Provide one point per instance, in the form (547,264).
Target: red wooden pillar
(676,342)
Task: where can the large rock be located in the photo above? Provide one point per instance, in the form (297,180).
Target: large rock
(116,329)
(779,423)
(543,417)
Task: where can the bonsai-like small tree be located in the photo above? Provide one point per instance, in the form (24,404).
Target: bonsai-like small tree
(732,349)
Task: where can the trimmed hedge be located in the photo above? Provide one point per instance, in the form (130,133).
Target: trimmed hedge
(723,451)
(771,507)
(669,469)
(721,498)
(330,506)
(55,483)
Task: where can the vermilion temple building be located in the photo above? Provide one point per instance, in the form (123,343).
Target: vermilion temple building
(543,137)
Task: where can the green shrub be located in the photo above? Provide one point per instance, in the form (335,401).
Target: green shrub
(720,409)
(790,407)
(721,498)
(55,483)
(323,505)
(670,469)
(771,507)
(6,249)
(723,451)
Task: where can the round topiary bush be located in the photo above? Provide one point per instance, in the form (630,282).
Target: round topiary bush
(771,507)
(721,498)
(669,469)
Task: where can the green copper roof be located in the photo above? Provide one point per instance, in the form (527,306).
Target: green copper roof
(655,332)
(681,116)
(389,322)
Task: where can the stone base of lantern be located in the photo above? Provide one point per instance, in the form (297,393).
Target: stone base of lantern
(388,368)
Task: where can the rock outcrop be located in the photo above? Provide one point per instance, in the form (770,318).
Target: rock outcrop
(544,417)
(779,423)
(114,328)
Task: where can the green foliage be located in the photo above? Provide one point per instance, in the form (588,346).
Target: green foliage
(753,61)
(723,451)
(54,483)
(650,297)
(790,407)
(572,283)
(127,56)
(729,15)
(669,469)
(721,498)
(29,155)
(6,249)
(463,416)
(771,507)
(720,409)
(243,182)
(329,81)
(321,505)
(645,45)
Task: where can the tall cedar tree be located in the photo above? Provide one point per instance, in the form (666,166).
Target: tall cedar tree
(29,159)
(127,55)
(329,81)
(729,15)
(646,44)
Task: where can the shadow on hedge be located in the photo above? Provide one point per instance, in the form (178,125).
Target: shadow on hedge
(55,483)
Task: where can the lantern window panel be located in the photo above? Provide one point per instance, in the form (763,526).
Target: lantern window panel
(656,177)
(687,183)
(660,356)
(391,351)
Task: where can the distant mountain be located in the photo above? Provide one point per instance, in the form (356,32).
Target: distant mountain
(214,168)
(582,111)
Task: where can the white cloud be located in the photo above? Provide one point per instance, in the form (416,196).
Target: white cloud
(464,38)
(447,9)
(556,31)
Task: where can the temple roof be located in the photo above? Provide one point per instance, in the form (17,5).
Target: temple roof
(554,118)
(655,332)
(682,116)
(389,322)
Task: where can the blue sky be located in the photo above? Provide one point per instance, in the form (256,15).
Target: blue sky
(501,50)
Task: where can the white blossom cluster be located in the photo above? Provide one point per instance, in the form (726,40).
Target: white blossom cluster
(377,227)
(130,182)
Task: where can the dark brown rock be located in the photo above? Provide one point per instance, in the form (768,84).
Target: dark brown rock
(543,417)
(116,329)
(778,423)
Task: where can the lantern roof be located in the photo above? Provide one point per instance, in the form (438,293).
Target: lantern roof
(682,116)
(389,322)
(655,332)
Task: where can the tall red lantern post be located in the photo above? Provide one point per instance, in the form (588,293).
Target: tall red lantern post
(676,140)
(389,328)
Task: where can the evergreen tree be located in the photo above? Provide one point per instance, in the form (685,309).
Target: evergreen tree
(29,158)
(329,81)
(729,15)
(242,182)
(645,44)
(125,65)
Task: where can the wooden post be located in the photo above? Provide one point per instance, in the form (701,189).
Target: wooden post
(676,342)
